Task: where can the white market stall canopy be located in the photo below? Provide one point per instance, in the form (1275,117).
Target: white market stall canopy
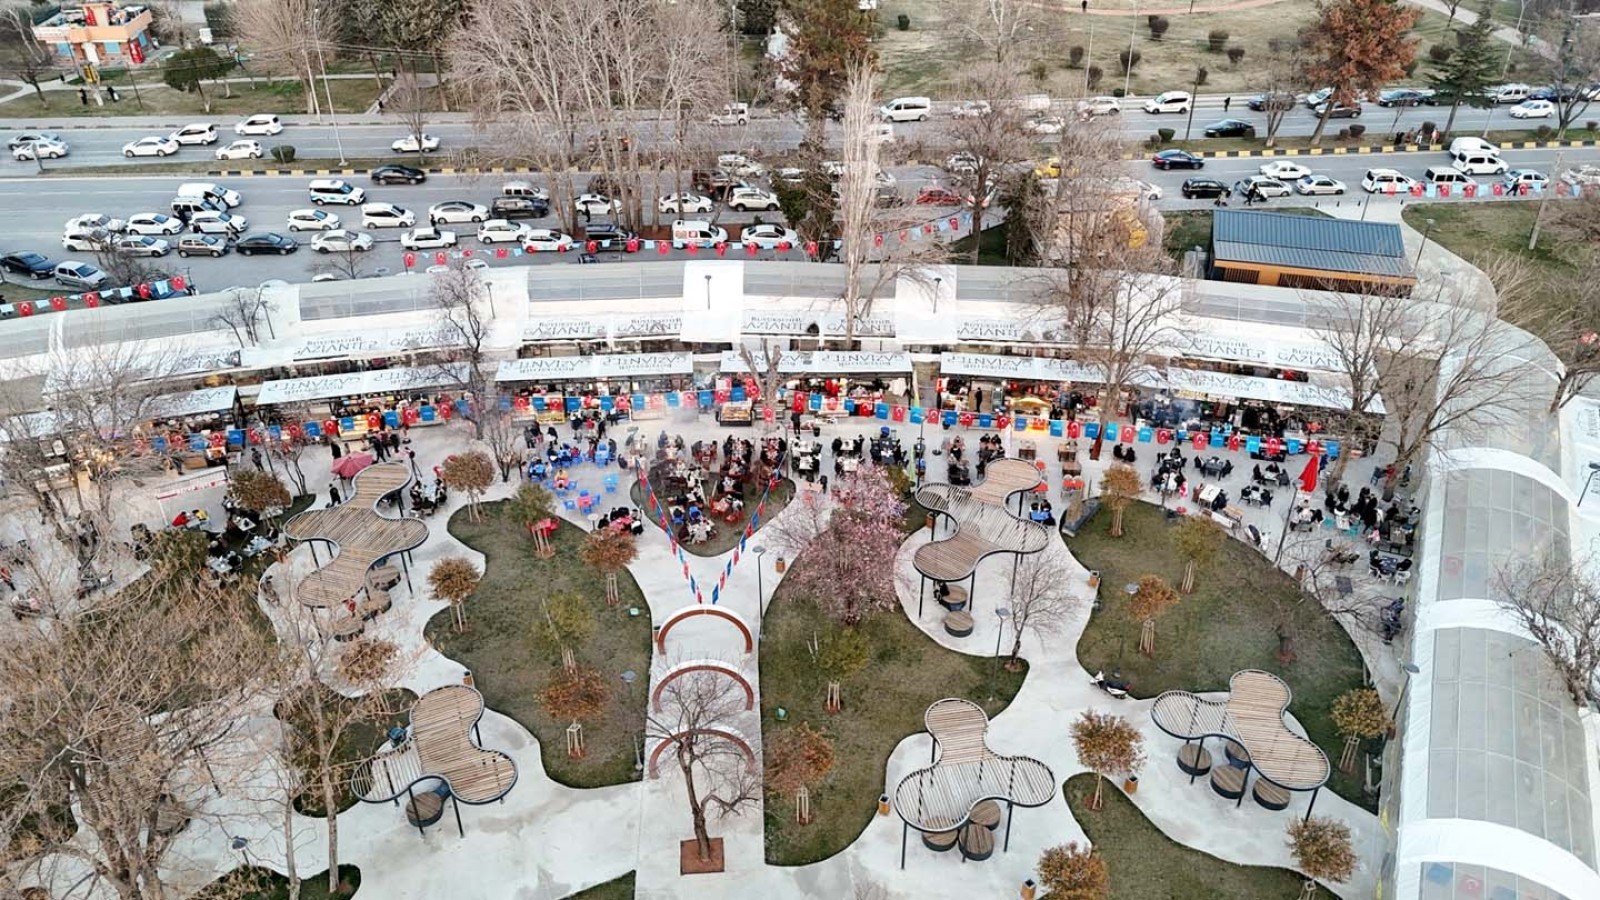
(818,324)
(1033,368)
(375,342)
(613,365)
(1296,355)
(1326,392)
(822,362)
(174,406)
(358,384)
(603,328)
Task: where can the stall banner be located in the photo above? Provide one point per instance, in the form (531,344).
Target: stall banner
(881,410)
(235,437)
(738,393)
(463,407)
(1058,428)
(1252,444)
(1217,438)
(1021,423)
(949,418)
(898,414)
(608,402)
(159,443)
(1091,430)
(347,423)
(919,416)
(572,404)
(1113,431)
(690,398)
(391,418)
(769,415)
(1333,450)
(197,441)
(313,431)
(849,406)
(985,420)
(1145,434)
(1039,423)
(1294,446)
(637,400)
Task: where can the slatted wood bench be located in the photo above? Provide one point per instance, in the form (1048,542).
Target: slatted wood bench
(1269,795)
(1228,781)
(385,576)
(940,841)
(955,599)
(1194,759)
(377,601)
(977,843)
(346,627)
(986,815)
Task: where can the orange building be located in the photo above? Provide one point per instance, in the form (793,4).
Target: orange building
(99,33)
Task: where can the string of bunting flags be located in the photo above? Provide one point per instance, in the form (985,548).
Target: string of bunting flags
(655,508)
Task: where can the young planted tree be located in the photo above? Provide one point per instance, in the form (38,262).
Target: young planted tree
(1040,603)
(1197,540)
(609,552)
(1356,47)
(699,712)
(259,492)
(454,579)
(1071,872)
(1466,75)
(471,472)
(1120,486)
(188,70)
(1153,598)
(1359,715)
(529,506)
(840,545)
(1322,850)
(840,654)
(798,758)
(565,621)
(575,694)
(1107,745)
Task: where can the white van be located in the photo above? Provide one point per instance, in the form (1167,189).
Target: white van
(332,190)
(1509,93)
(698,232)
(1476,162)
(906,109)
(1169,102)
(1446,175)
(1473,145)
(188,206)
(216,193)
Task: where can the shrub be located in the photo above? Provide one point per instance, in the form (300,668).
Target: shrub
(1200,75)
(1166,134)
(1344,134)
(1074,56)
(1411,68)
(903,22)
(1158,27)
(1591,126)
(1427,128)
(1039,69)
(1129,59)
(1543,132)
(1357,130)
(1235,54)
(1153,140)
(1119,92)
(283,153)
(1439,52)
(1095,73)
(1216,40)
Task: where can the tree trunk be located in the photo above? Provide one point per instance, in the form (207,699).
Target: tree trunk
(377,71)
(288,849)
(43,101)
(204,100)
(459,607)
(702,836)
(1096,802)
(1116,520)
(330,803)
(1450,120)
(1322,122)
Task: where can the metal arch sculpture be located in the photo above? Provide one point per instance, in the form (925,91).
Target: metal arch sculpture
(703,665)
(727,734)
(717,612)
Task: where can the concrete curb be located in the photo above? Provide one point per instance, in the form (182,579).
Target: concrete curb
(1368,149)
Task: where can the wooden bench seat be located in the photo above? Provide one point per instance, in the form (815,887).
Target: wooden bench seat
(939,841)
(1269,795)
(958,623)
(977,842)
(1228,781)
(986,815)
(1194,759)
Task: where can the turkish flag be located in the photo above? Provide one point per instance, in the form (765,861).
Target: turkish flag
(1308,476)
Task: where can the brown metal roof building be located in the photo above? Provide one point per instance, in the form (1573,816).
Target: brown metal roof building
(1308,252)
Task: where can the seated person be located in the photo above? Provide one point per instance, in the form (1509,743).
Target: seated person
(1129,456)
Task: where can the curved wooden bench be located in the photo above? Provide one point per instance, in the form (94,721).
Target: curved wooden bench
(1236,753)
(986,814)
(976,843)
(384,576)
(955,599)
(1228,782)
(1269,795)
(958,624)
(1194,759)
(939,841)
(346,627)
(377,601)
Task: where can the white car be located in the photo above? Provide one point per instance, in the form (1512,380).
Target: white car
(1532,180)
(1533,109)
(740,166)
(971,109)
(1586,174)
(313,220)
(684,203)
(411,143)
(596,204)
(1044,125)
(1378,181)
(832,168)
(386,215)
(1099,106)
(259,124)
(427,239)
(539,240)
(197,133)
(748,198)
(91,221)
(496,231)
(209,222)
(1284,170)
(1319,184)
(91,240)
(240,150)
(154,223)
(732,114)
(139,245)
(457,211)
(45,148)
(150,146)
(340,241)
(767,236)
(1133,186)
(1265,186)
(961,164)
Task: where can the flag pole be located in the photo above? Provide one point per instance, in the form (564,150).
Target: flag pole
(1295,497)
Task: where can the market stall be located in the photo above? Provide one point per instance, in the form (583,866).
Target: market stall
(354,403)
(822,385)
(551,389)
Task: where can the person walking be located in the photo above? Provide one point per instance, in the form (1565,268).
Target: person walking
(83,96)
(1226,102)
(333,495)
(255,457)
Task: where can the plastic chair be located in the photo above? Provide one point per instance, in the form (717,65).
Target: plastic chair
(569,504)
(611,484)
(602,457)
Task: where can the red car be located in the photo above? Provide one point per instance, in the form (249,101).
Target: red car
(938,196)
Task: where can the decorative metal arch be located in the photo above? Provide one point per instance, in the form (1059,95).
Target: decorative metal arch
(704,665)
(725,733)
(700,609)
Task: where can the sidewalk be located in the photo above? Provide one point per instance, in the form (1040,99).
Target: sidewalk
(1440,272)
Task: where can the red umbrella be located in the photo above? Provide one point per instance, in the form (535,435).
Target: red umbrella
(351,463)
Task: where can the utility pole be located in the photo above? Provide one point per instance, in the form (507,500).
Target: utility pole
(1538,216)
(327,89)
(1133,32)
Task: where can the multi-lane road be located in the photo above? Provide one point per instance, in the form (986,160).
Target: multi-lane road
(45,204)
(312,140)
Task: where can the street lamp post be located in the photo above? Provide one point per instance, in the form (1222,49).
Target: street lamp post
(708,292)
(242,845)
(938,282)
(1000,615)
(1411,669)
(1594,469)
(327,89)
(761,594)
(1133,32)
(1424,245)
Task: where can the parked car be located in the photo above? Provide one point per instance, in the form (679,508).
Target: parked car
(1317,97)
(1319,184)
(1339,110)
(313,220)
(496,231)
(95,220)
(399,175)
(740,165)
(1407,97)
(938,196)
(258,125)
(1533,109)
(609,233)
(29,137)
(1099,106)
(684,202)
(1230,128)
(34,150)
(1264,186)
(1526,178)
(386,215)
(240,150)
(150,146)
(140,245)
(519,208)
(201,245)
(597,204)
(412,143)
(1556,93)
(158,224)
(1044,125)
(748,198)
(91,240)
(1585,175)
(540,240)
(218,222)
(455,211)
(1169,102)
(769,236)
(961,163)
(427,238)
(1199,187)
(1278,101)
(1284,170)
(79,275)
(341,241)
(197,133)
(1383,181)
(971,109)
(266,242)
(28,264)
(732,114)
(1177,159)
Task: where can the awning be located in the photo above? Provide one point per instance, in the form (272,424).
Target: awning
(358,384)
(816,324)
(376,342)
(1296,355)
(193,403)
(1326,392)
(1033,368)
(822,362)
(609,365)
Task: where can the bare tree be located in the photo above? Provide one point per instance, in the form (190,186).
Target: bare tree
(720,775)
(768,373)
(1557,601)
(286,33)
(1040,601)
(984,146)
(21,54)
(242,312)
(1572,65)
(466,314)
(1562,309)
(348,264)
(1000,28)
(1355,330)
(407,98)
(1281,79)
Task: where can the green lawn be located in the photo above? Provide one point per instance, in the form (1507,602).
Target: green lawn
(359,741)
(883,704)
(1145,864)
(1225,626)
(257,883)
(1472,229)
(510,665)
(154,98)
(727,534)
(615,889)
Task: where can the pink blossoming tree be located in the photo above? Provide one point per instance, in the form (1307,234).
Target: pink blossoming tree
(844,544)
